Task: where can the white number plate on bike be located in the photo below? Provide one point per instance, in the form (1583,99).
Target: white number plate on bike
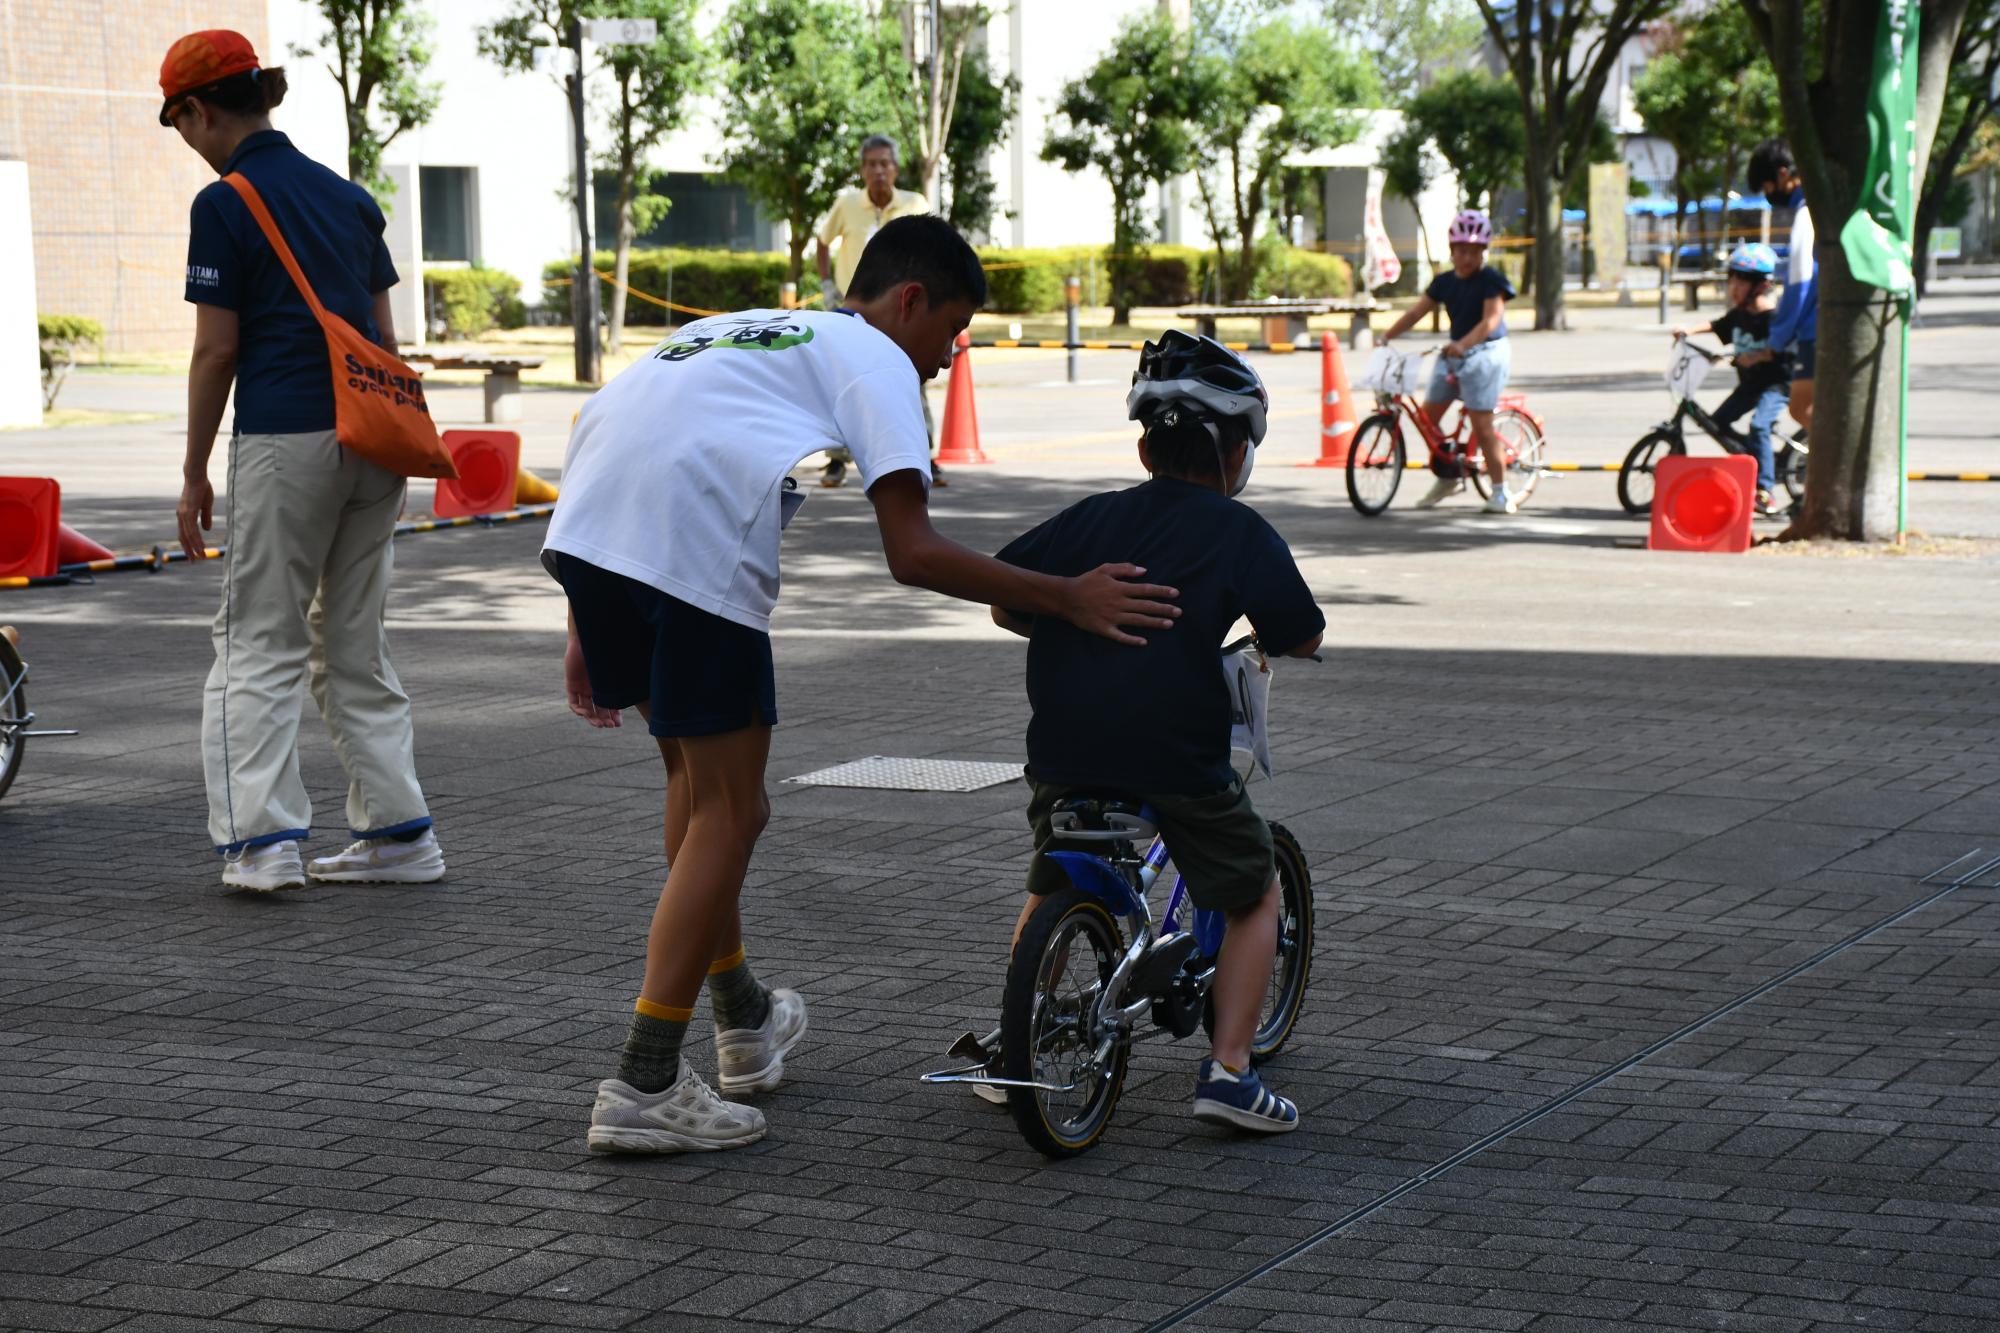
(1393,372)
(1685,372)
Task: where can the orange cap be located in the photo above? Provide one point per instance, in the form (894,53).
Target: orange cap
(202,58)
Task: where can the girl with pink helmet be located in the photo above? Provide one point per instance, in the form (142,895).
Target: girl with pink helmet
(1474,364)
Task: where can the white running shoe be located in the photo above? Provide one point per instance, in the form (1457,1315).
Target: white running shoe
(383,861)
(1502,501)
(753,1059)
(1441,490)
(687,1117)
(261,869)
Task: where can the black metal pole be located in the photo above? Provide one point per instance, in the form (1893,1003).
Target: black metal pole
(583,296)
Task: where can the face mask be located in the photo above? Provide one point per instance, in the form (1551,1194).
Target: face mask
(1243,477)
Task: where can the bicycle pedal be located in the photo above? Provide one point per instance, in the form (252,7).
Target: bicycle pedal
(969,1047)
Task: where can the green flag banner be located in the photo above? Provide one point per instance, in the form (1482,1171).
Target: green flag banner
(1879,236)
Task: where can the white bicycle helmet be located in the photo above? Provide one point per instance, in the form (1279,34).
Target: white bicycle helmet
(1470,227)
(1184,371)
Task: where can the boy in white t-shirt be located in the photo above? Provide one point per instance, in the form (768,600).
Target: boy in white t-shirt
(666,543)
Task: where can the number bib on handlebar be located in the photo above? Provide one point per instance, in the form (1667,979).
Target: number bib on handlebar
(1394,373)
(1249,680)
(1686,371)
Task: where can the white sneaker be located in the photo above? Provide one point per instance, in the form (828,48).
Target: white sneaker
(753,1059)
(687,1117)
(383,861)
(1441,490)
(1502,501)
(261,869)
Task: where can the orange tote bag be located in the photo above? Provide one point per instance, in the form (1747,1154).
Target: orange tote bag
(378,401)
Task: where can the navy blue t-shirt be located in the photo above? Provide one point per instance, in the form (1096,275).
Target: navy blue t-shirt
(1464,299)
(1154,719)
(284,379)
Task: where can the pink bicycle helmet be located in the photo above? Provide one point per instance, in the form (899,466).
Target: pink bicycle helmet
(1472,228)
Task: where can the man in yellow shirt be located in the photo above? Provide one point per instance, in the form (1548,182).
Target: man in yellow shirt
(856,215)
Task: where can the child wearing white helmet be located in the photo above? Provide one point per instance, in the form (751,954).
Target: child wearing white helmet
(1473,366)
(1763,378)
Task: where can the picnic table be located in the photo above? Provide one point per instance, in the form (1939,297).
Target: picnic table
(1285,321)
(1691,285)
(503,376)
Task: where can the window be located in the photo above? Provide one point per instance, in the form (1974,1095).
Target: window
(450,202)
(706,211)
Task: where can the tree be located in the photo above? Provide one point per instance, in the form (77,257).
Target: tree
(1407,39)
(1971,103)
(979,125)
(1128,117)
(1560,56)
(1853,488)
(1265,93)
(800,97)
(651,89)
(379,49)
(1710,93)
(1474,120)
(922,84)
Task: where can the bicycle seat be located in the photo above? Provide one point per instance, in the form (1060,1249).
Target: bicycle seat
(1103,819)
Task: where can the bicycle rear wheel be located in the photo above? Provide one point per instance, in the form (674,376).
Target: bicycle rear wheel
(1375,464)
(1522,441)
(1060,966)
(1635,474)
(14,709)
(1791,465)
(1291,966)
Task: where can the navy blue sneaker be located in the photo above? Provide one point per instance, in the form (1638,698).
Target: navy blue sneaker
(1241,1100)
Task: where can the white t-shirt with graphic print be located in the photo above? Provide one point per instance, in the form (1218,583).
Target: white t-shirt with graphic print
(676,467)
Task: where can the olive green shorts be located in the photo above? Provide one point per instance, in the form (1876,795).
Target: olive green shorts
(1219,843)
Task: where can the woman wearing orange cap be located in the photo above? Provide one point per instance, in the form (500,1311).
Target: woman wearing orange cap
(310,523)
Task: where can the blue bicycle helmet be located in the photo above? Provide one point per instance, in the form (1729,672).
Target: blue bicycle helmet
(1755,260)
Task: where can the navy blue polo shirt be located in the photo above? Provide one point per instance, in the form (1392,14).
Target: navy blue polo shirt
(1464,299)
(284,380)
(1155,719)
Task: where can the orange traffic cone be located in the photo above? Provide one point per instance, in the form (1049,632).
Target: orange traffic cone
(73,548)
(1336,406)
(958,442)
(530,489)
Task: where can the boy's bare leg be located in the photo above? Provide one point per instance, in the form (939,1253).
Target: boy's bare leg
(1489,444)
(1802,403)
(697,911)
(1243,976)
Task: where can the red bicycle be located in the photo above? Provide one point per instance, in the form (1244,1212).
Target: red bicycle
(1377,457)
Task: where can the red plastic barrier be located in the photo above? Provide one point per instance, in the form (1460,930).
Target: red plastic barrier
(30,519)
(73,548)
(1703,504)
(489,463)
(958,442)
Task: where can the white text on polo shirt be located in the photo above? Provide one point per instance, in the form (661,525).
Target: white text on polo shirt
(201,275)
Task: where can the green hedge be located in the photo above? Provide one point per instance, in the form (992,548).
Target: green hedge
(1025,282)
(472,300)
(700,279)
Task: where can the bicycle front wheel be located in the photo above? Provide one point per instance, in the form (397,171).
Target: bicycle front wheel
(1291,966)
(1635,474)
(14,709)
(1375,464)
(1061,964)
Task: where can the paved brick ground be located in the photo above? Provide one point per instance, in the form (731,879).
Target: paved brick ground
(1560,800)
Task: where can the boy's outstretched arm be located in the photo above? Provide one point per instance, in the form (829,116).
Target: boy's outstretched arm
(1306,649)
(1422,306)
(1104,601)
(1012,623)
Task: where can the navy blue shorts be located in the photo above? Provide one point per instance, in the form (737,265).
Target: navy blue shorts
(699,674)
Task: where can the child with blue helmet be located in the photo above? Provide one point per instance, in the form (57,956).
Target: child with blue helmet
(1763,378)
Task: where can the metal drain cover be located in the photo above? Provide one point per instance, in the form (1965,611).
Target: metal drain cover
(912,774)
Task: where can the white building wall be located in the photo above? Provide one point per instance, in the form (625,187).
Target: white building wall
(20,343)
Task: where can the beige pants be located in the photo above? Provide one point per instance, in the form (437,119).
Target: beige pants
(307,580)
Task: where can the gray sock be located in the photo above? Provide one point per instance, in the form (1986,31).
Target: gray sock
(739,1001)
(652,1058)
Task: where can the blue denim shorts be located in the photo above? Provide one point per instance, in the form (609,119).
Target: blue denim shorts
(1480,376)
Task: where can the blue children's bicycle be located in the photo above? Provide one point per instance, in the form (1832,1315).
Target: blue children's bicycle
(1077,988)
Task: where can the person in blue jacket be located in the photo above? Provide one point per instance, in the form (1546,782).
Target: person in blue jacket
(1794,328)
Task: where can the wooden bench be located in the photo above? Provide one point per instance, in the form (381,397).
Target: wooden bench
(503,376)
(1691,285)
(1285,321)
